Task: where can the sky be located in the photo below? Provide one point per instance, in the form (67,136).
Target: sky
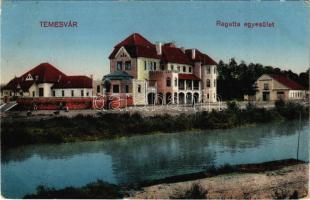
(84,50)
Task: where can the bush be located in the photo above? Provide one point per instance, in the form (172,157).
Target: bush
(109,125)
(233,106)
(195,192)
(95,190)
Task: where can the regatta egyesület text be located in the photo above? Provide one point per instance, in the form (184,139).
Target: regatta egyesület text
(232,24)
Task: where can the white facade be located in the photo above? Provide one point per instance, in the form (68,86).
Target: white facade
(72,92)
(209,83)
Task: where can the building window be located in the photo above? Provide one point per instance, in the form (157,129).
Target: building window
(127,89)
(189,69)
(145,65)
(82,93)
(62,93)
(54,93)
(150,65)
(179,69)
(266,86)
(119,66)
(139,88)
(208,83)
(98,88)
(168,82)
(128,65)
(72,93)
(196,85)
(154,66)
(33,93)
(87,93)
(175,82)
(41,92)
(115,88)
(172,67)
(208,96)
(208,70)
(184,69)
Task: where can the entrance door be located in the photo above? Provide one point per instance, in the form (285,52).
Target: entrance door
(266,96)
(151,98)
(41,92)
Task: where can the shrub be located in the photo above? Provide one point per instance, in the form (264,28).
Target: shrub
(95,190)
(195,192)
(233,106)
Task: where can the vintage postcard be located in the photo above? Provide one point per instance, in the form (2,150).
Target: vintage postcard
(155,99)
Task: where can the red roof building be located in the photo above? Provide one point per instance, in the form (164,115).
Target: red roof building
(45,80)
(178,74)
(276,87)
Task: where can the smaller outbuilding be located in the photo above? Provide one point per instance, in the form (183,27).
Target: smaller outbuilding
(276,87)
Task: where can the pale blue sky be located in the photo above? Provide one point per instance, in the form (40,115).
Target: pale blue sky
(101,25)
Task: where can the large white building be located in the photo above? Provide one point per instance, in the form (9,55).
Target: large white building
(161,73)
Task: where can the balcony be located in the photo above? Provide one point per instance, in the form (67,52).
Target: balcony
(188,85)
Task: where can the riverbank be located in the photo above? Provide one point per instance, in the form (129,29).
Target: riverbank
(285,182)
(275,179)
(112,125)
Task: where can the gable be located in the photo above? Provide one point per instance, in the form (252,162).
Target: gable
(29,77)
(122,53)
(264,77)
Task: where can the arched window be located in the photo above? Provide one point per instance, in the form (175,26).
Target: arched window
(208,83)
(168,82)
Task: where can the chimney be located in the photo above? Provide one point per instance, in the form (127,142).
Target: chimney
(182,49)
(158,48)
(193,53)
(59,77)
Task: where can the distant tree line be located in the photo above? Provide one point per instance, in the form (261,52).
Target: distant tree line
(235,80)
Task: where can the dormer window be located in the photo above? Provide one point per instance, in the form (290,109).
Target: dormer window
(29,78)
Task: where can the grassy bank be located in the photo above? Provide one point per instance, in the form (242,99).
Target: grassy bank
(111,125)
(100,189)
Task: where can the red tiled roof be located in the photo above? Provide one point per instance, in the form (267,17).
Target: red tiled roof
(188,77)
(134,39)
(287,82)
(137,46)
(45,73)
(200,57)
(174,55)
(74,82)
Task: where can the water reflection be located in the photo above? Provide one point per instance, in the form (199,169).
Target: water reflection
(146,157)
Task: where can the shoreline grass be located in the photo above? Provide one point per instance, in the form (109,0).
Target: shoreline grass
(113,125)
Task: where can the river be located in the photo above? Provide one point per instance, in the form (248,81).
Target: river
(146,157)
